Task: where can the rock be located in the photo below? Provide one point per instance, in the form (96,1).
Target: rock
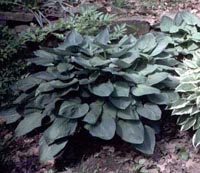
(136,24)
(16,16)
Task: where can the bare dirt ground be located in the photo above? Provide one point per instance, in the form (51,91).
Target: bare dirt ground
(174,152)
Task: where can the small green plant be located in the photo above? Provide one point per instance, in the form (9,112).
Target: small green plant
(91,82)
(9,44)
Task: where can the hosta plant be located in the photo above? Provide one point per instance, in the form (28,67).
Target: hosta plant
(105,87)
(184,32)
(187,108)
(185,35)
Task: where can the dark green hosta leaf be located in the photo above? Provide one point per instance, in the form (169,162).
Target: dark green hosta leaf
(196,139)
(95,111)
(62,67)
(29,123)
(142,90)
(44,75)
(92,78)
(156,78)
(45,54)
(44,99)
(128,114)
(73,39)
(44,87)
(103,89)
(41,61)
(146,42)
(133,77)
(50,107)
(10,115)
(149,111)
(126,60)
(148,145)
(82,62)
(131,131)
(109,110)
(27,84)
(121,102)
(121,89)
(166,24)
(97,61)
(162,45)
(47,152)
(105,129)
(164,98)
(190,18)
(57,84)
(44,58)
(72,109)
(148,69)
(60,128)
(103,37)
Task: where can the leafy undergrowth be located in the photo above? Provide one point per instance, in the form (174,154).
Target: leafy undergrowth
(174,153)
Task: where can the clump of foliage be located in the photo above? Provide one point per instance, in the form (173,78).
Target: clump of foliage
(187,107)
(11,66)
(9,44)
(106,87)
(184,31)
(9,74)
(88,22)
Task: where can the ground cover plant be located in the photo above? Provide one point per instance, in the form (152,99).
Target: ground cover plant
(106,87)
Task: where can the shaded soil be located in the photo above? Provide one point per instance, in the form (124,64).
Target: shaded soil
(85,154)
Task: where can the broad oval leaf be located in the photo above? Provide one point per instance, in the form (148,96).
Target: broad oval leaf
(156,78)
(121,89)
(128,114)
(47,152)
(131,131)
(73,109)
(95,111)
(105,129)
(149,111)
(121,102)
(29,123)
(10,115)
(146,42)
(142,90)
(60,128)
(103,89)
(148,145)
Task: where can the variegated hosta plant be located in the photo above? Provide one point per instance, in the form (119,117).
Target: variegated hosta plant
(187,108)
(107,88)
